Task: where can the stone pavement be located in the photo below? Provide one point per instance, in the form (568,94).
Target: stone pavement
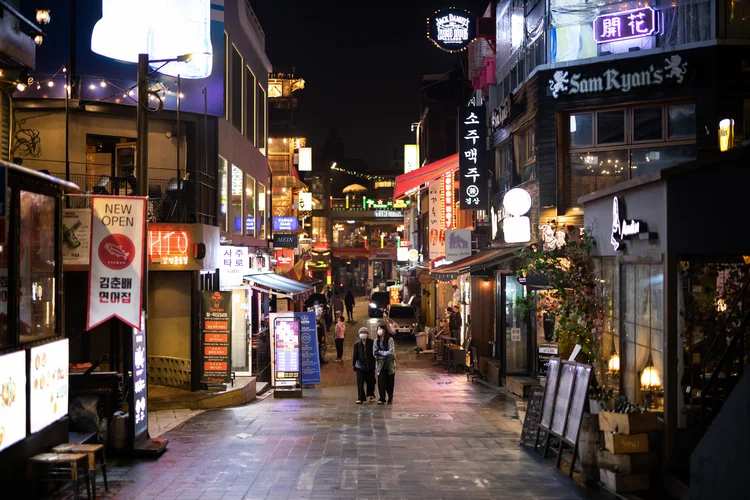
(443,438)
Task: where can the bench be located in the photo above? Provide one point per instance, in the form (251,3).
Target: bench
(82,437)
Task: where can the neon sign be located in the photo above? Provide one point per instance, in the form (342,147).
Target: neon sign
(451,30)
(448,196)
(169,247)
(625,25)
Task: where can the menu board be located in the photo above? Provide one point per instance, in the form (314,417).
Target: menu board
(286,348)
(48,378)
(309,353)
(550,391)
(216,312)
(533,415)
(564,391)
(546,351)
(12,398)
(575,413)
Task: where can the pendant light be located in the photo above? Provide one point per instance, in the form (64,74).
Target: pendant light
(614,360)
(650,379)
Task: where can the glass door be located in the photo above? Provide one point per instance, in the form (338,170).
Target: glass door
(241,344)
(516,329)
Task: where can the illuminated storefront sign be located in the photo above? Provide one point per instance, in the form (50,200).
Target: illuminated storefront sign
(625,25)
(471,159)
(305,160)
(411,157)
(284,257)
(623,229)
(448,200)
(233,265)
(726,134)
(451,30)
(402,254)
(169,247)
(401,203)
(48,378)
(435,210)
(517,227)
(305,201)
(13,402)
(457,244)
(285,224)
(439,262)
(388,213)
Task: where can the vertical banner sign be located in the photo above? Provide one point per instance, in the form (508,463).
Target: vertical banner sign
(140,380)
(411,157)
(234,265)
(216,312)
(448,202)
(472,158)
(116,256)
(309,344)
(76,236)
(437,232)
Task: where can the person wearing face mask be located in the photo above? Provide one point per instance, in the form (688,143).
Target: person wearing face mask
(384,349)
(363,362)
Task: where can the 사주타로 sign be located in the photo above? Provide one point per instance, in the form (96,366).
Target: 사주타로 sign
(116,255)
(216,312)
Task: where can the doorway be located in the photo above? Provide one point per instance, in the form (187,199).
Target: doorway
(514,333)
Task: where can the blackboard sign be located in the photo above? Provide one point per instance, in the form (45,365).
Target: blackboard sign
(550,391)
(546,351)
(564,392)
(533,416)
(575,413)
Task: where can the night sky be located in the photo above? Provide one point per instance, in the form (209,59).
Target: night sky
(362,66)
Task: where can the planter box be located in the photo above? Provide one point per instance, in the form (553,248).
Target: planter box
(625,443)
(628,423)
(629,463)
(623,483)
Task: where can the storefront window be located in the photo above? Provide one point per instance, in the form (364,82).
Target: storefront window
(681,121)
(582,129)
(642,341)
(261,211)
(610,127)
(223,205)
(37,266)
(235,215)
(250,220)
(648,161)
(647,124)
(595,171)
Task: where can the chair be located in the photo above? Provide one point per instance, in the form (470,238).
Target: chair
(101,185)
(60,468)
(155,199)
(93,452)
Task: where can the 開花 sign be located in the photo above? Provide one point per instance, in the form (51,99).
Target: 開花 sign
(451,30)
(472,169)
(625,25)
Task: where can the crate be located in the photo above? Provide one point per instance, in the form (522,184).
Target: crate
(628,423)
(626,443)
(623,483)
(627,463)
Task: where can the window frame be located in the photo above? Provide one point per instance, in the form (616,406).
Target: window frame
(626,127)
(242,91)
(251,135)
(262,144)
(664,123)
(230,227)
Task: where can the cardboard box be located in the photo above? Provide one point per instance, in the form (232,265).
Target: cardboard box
(628,423)
(629,463)
(623,483)
(626,443)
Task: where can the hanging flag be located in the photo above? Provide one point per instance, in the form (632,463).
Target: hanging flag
(298,271)
(116,260)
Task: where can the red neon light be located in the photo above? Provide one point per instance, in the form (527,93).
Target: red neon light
(161,243)
(448,197)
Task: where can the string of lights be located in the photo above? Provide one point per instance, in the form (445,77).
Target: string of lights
(369,177)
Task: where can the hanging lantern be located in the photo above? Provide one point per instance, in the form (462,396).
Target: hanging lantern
(614,362)
(650,379)
(38,40)
(42,16)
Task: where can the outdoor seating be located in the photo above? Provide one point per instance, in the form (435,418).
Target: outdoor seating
(94,452)
(50,468)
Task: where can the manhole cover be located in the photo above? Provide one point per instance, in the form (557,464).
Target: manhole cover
(316,419)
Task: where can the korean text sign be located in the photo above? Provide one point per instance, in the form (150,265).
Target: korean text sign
(216,312)
(286,345)
(140,380)
(233,265)
(116,256)
(472,167)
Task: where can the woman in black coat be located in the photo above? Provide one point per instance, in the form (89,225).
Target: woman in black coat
(349,303)
(363,362)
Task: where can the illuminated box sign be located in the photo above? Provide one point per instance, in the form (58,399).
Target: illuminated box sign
(285,240)
(233,265)
(388,213)
(448,200)
(451,30)
(411,157)
(285,224)
(284,257)
(169,247)
(216,341)
(625,25)
(471,158)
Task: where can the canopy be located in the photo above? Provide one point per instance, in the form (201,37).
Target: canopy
(287,287)
(476,262)
(354,188)
(430,172)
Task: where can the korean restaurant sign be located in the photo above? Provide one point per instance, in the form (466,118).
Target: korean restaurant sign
(234,263)
(169,248)
(452,30)
(435,209)
(472,179)
(216,312)
(140,380)
(671,70)
(448,201)
(116,256)
(625,25)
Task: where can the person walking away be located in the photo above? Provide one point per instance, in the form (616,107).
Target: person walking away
(349,302)
(384,350)
(340,334)
(456,324)
(368,288)
(363,362)
(338,306)
(322,341)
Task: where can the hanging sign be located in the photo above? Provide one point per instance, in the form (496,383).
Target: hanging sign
(76,236)
(116,255)
(448,202)
(472,168)
(140,380)
(233,265)
(285,223)
(517,227)
(284,257)
(452,30)
(216,315)
(457,244)
(281,240)
(305,201)
(625,25)
(437,231)
(411,157)
(623,229)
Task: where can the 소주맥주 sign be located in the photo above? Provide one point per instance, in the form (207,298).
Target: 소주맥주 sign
(116,255)
(472,167)
(216,313)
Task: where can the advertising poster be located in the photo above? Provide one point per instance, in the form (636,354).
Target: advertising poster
(309,350)
(284,257)
(12,398)
(140,379)
(286,350)
(48,378)
(116,254)
(216,312)
(234,264)
(472,166)
(76,236)
(457,244)
(546,351)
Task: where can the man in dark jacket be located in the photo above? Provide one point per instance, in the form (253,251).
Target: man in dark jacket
(363,362)
(349,302)
(455,323)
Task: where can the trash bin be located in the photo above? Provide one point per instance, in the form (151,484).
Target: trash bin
(421,341)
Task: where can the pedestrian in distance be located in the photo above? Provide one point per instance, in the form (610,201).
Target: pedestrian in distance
(363,362)
(456,323)
(322,341)
(384,350)
(349,302)
(338,306)
(340,333)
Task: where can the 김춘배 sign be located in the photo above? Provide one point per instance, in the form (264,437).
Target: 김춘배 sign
(673,69)
(472,168)
(140,380)
(216,311)
(451,30)
(48,377)
(625,25)
(234,264)
(76,236)
(310,364)
(116,255)
(12,398)
(457,244)
(285,223)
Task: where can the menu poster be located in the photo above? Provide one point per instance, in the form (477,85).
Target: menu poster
(564,392)
(216,313)
(76,236)
(575,413)
(550,392)
(286,333)
(48,378)
(309,354)
(546,351)
(140,379)
(12,398)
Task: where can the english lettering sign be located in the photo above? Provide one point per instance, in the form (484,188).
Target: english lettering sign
(285,240)
(623,229)
(452,30)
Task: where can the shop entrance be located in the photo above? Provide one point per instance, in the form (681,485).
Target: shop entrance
(514,335)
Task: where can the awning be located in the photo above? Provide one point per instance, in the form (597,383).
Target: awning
(478,261)
(412,180)
(287,287)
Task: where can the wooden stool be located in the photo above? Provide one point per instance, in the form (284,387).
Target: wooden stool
(93,451)
(61,467)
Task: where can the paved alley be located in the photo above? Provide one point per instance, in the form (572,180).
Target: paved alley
(443,438)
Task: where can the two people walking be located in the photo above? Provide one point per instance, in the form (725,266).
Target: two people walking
(371,358)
